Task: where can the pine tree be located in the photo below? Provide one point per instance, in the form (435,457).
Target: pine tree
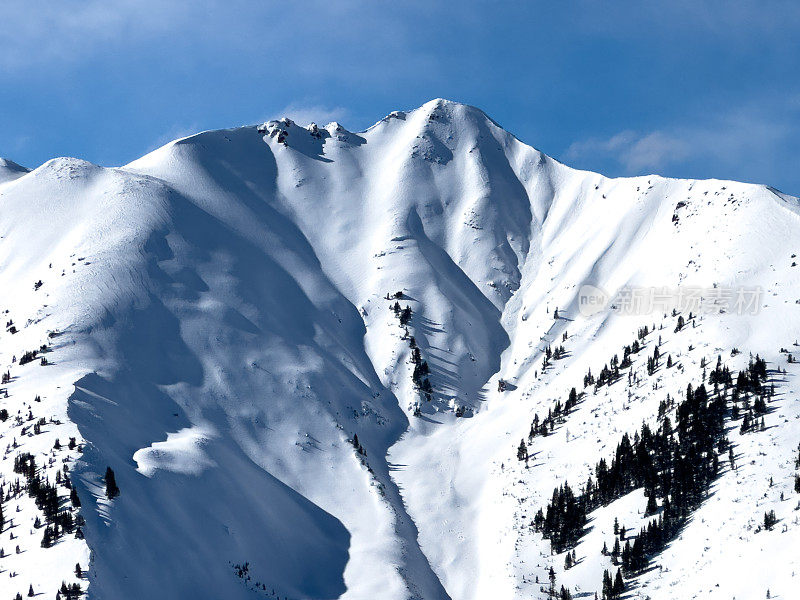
(619,585)
(30,592)
(47,539)
(608,586)
(626,556)
(112,491)
(522,451)
(652,507)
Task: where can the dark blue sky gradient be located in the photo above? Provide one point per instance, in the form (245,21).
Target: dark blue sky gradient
(688,89)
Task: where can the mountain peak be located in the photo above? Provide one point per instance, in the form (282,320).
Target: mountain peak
(7,163)
(9,170)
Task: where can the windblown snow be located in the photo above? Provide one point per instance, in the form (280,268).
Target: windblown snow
(215,322)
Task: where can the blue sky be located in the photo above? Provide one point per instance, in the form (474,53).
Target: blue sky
(682,88)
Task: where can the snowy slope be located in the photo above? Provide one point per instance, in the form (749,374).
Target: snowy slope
(218,327)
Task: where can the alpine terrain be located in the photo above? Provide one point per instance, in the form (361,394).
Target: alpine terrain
(422,361)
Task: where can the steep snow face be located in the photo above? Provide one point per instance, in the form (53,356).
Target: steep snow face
(9,170)
(218,326)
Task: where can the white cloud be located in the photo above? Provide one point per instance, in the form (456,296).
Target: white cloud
(175,132)
(727,18)
(37,32)
(303,114)
(632,151)
(751,142)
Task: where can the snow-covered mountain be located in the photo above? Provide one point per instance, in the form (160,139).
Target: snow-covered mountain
(222,323)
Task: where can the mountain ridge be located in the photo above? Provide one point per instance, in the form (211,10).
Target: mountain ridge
(219,327)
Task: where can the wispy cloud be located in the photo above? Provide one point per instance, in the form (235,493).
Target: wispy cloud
(751,142)
(715,17)
(35,32)
(174,133)
(634,151)
(304,114)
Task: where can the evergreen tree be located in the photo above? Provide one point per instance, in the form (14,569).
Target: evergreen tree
(608,586)
(619,585)
(112,491)
(652,507)
(47,538)
(674,465)
(522,451)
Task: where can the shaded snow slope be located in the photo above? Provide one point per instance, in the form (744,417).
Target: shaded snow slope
(9,170)
(218,326)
